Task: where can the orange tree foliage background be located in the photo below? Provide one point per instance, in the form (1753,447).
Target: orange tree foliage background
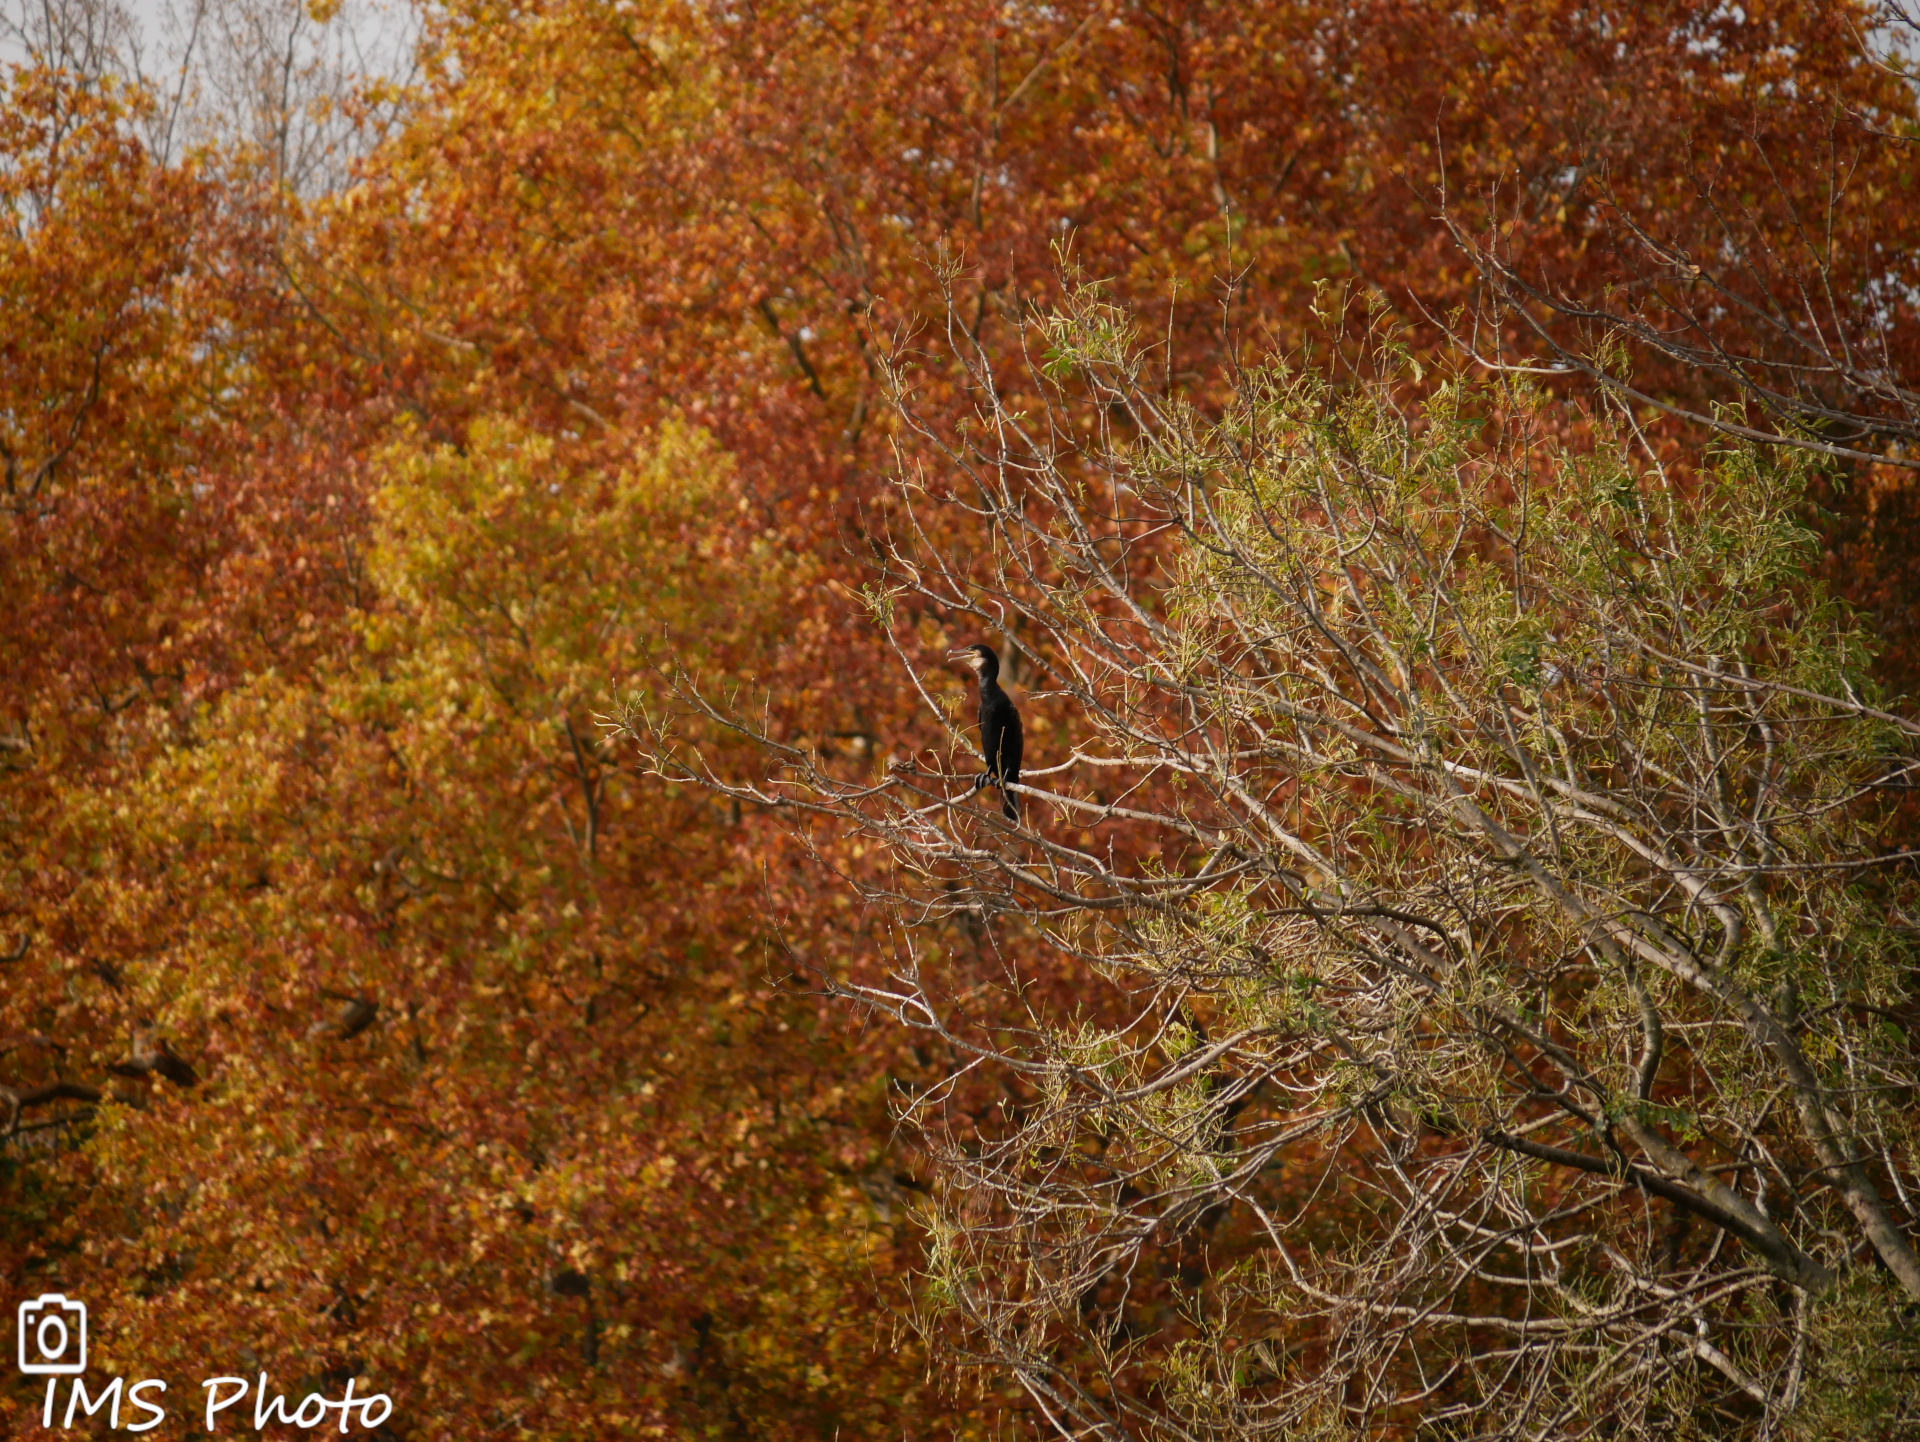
(368,1016)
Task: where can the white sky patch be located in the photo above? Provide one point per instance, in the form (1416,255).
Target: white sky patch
(260,72)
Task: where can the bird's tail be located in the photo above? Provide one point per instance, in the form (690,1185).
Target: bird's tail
(1008,806)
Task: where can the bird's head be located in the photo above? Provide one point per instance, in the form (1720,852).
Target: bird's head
(979,657)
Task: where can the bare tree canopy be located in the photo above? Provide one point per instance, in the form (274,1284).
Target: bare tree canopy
(1491,1007)
(303,90)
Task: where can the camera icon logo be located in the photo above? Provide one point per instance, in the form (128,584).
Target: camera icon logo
(53,1336)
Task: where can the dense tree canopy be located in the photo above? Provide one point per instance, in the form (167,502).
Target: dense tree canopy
(365,1009)
(1493,985)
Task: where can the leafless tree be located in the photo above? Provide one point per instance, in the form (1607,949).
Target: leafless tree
(302,90)
(306,89)
(1492,1012)
(85,37)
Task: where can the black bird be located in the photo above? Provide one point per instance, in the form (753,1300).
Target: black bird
(999,728)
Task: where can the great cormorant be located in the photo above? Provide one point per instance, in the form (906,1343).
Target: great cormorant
(999,728)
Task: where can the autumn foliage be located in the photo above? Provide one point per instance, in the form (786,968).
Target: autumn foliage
(364,1012)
